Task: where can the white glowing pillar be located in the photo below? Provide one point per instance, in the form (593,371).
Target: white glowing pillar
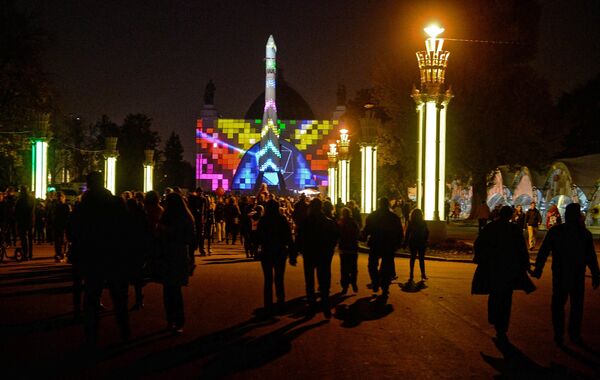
(332,173)
(343,167)
(149,170)
(432,102)
(39,167)
(110,164)
(368,201)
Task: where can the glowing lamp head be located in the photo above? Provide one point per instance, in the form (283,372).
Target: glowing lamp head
(332,149)
(344,135)
(433,30)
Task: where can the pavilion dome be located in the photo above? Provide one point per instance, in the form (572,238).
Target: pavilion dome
(290,104)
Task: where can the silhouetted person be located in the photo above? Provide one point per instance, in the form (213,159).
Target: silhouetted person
(74,258)
(177,233)
(232,220)
(348,245)
(60,218)
(198,205)
(483,215)
(316,239)
(384,231)
(417,235)
(24,216)
(502,263)
(300,210)
(533,218)
(572,250)
(275,237)
(139,246)
(101,232)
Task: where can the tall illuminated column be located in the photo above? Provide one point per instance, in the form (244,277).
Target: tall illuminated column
(368,162)
(432,100)
(39,155)
(110,163)
(332,172)
(343,185)
(148,170)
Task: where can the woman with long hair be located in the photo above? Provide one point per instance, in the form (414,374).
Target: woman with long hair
(417,235)
(177,233)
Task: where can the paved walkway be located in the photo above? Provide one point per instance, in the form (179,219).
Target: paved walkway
(439,331)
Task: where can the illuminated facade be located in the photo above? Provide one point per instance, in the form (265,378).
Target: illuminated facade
(239,154)
(432,102)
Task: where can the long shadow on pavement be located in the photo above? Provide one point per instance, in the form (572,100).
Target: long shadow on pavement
(514,364)
(364,309)
(226,261)
(230,347)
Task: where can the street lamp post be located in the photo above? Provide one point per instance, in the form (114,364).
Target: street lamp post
(332,172)
(39,155)
(368,152)
(148,170)
(343,167)
(432,101)
(110,163)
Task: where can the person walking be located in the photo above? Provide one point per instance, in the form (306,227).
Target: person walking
(417,235)
(502,263)
(100,232)
(518,217)
(275,239)
(176,229)
(61,217)
(316,240)
(255,216)
(198,204)
(572,249)
(483,215)
(139,246)
(232,220)
(220,219)
(24,217)
(533,218)
(385,234)
(348,245)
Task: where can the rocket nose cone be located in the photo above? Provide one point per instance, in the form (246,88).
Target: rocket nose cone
(271,41)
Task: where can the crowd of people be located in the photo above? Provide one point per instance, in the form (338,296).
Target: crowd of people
(114,242)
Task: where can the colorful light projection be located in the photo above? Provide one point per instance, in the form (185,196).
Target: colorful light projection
(221,144)
(431,103)
(39,167)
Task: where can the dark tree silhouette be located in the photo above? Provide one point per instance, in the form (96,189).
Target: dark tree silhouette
(174,171)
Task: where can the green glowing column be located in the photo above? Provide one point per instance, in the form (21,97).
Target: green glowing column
(39,167)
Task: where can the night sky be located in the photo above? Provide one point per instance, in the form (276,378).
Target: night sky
(155,57)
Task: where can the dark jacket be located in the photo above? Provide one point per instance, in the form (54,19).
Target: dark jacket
(417,234)
(384,231)
(176,234)
(533,217)
(99,227)
(24,211)
(275,237)
(502,259)
(349,233)
(572,250)
(317,236)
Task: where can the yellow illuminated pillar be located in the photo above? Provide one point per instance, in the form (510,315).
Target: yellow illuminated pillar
(149,170)
(343,185)
(110,164)
(432,102)
(332,173)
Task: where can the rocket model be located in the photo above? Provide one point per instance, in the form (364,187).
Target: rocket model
(269,155)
